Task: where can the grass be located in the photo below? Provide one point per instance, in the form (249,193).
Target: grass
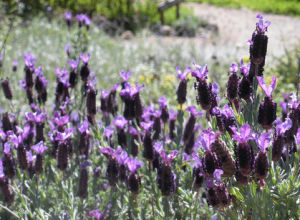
(287,7)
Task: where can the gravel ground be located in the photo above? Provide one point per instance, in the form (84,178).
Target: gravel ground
(235,27)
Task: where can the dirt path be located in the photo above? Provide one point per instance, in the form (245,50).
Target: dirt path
(235,28)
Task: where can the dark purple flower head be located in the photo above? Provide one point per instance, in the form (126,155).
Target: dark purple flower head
(108,131)
(85,58)
(263,141)
(244,135)
(29,60)
(197,160)
(147,126)
(39,73)
(133,164)
(108,151)
(282,127)
(84,127)
(268,90)
(244,68)
(217,175)
(234,67)
(227,111)
(120,122)
(183,75)
(200,72)
(68,15)
(39,148)
(193,110)
(125,75)
(261,25)
(162,102)
(207,138)
(61,120)
(73,64)
(29,116)
(209,183)
(172,114)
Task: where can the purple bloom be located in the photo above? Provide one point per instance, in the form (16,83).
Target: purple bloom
(7,147)
(197,160)
(80,17)
(158,146)
(68,15)
(87,20)
(1,170)
(244,68)
(39,73)
(39,117)
(244,135)
(104,94)
(85,58)
(120,122)
(122,157)
(108,131)
(83,127)
(200,73)
(268,90)
(67,48)
(172,114)
(39,148)
(162,101)
(15,63)
(207,138)
(85,164)
(215,89)
(183,75)
(281,128)
(168,157)
(73,64)
(125,75)
(147,126)
(298,136)
(98,215)
(217,175)
(107,151)
(234,67)
(263,141)
(209,183)
(193,110)
(63,136)
(261,25)
(29,60)
(134,164)
(133,131)
(186,157)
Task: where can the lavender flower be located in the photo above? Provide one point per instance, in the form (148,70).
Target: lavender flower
(261,164)
(68,17)
(85,71)
(6,89)
(245,85)
(267,109)
(133,179)
(39,149)
(232,84)
(182,87)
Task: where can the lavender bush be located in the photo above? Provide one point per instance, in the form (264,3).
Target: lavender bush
(80,152)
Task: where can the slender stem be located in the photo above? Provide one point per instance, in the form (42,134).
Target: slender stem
(8,210)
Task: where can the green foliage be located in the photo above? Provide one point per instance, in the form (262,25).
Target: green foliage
(290,7)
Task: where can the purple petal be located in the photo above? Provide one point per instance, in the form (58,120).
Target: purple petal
(283,127)
(263,141)
(39,148)
(158,146)
(108,131)
(197,159)
(147,126)
(134,164)
(234,67)
(125,75)
(120,122)
(217,175)
(85,58)
(298,136)
(209,183)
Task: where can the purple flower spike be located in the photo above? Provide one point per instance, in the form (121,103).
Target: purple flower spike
(98,215)
(29,60)
(268,90)
(108,131)
(186,157)
(172,114)
(263,141)
(125,75)
(7,147)
(120,122)
(217,175)
(244,68)
(281,128)
(68,15)
(183,75)
(261,25)
(244,135)
(40,117)
(73,64)
(215,88)
(134,164)
(193,110)
(85,58)
(162,101)
(39,148)
(147,126)
(200,73)
(234,67)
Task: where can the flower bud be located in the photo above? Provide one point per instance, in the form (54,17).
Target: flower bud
(62,156)
(83,183)
(6,89)
(261,165)
(244,155)
(134,183)
(267,113)
(6,190)
(112,172)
